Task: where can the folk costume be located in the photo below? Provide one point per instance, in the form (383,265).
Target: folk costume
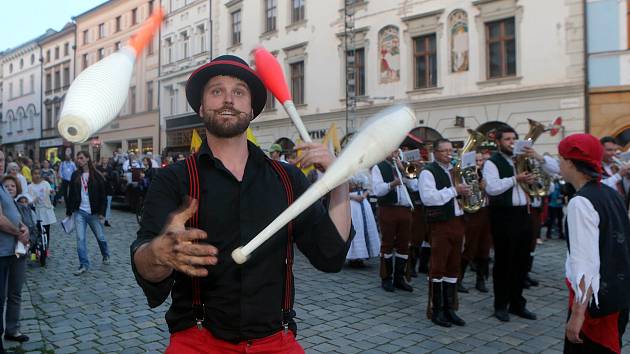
(446,224)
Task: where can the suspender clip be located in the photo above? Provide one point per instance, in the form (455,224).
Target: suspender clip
(199,311)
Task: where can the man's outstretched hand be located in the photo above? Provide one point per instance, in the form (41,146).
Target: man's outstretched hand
(175,249)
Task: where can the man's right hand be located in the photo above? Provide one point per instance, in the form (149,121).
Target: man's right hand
(525,177)
(463,190)
(395,183)
(625,171)
(175,249)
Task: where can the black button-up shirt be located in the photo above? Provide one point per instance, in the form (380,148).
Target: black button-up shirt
(241,301)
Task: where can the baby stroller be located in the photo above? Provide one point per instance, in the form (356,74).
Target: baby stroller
(37,232)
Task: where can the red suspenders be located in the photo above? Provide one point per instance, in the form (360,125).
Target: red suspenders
(193,192)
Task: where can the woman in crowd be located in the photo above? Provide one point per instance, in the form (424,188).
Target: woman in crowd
(13,169)
(16,274)
(40,192)
(366,243)
(48,175)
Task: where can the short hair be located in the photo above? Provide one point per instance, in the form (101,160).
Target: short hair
(608,139)
(586,169)
(436,143)
(18,186)
(503,130)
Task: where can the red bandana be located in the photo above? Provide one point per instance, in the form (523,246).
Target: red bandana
(582,147)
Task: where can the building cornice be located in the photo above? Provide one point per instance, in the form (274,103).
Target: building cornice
(423,15)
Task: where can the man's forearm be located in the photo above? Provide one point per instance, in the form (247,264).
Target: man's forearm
(148,266)
(8,227)
(339,210)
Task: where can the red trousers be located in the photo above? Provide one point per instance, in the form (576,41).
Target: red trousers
(395,229)
(196,341)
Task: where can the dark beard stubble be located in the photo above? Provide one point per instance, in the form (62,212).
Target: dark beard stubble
(218,127)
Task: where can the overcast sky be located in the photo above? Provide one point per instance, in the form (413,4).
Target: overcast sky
(23,20)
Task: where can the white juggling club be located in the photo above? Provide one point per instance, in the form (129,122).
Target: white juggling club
(98,94)
(381,135)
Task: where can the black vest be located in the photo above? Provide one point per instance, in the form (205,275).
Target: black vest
(505,170)
(442,212)
(387,171)
(614,249)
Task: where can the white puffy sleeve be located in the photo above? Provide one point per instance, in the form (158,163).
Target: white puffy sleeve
(583,258)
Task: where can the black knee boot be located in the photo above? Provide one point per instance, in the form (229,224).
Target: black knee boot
(425,256)
(460,286)
(482,275)
(387,265)
(437,300)
(529,281)
(399,275)
(414,254)
(450,304)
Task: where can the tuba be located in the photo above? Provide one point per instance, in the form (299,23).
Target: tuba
(469,175)
(541,187)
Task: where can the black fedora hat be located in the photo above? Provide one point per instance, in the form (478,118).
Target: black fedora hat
(226,65)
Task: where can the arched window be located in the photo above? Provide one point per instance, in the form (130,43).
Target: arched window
(31,114)
(11,120)
(488,127)
(427,136)
(21,116)
(623,138)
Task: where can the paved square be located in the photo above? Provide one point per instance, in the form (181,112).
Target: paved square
(104,311)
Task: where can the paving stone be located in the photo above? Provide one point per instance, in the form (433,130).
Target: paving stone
(104,310)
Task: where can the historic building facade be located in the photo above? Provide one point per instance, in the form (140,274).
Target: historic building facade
(20,126)
(100,32)
(608,24)
(185,45)
(58,72)
(459,65)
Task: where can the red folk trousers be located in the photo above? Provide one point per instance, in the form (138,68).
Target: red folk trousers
(195,341)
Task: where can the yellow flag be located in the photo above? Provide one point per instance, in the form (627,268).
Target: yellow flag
(195,141)
(331,140)
(305,171)
(251,137)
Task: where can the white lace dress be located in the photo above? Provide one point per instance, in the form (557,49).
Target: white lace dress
(366,242)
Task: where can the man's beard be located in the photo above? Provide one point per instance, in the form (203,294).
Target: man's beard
(506,151)
(216,125)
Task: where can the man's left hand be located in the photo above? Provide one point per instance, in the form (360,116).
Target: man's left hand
(314,154)
(530,152)
(574,327)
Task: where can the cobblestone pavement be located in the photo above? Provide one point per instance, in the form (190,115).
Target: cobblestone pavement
(104,311)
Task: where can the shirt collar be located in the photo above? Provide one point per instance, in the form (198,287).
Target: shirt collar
(255,152)
(447,166)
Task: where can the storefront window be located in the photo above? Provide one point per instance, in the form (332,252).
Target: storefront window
(147,145)
(132,146)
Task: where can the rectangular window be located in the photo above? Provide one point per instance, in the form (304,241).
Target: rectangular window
(201,30)
(356,61)
(501,48)
(147,145)
(149,95)
(425,62)
(100,53)
(66,49)
(48,56)
(184,36)
(271,12)
(57,112)
(150,49)
(84,61)
(21,87)
(118,19)
(150,7)
(57,79)
(32,83)
(101,31)
(85,37)
(236,27)
(48,82)
(56,52)
(134,17)
(132,99)
(66,77)
(271,102)
(173,101)
(117,46)
(10,90)
(297,82)
(297,10)
(132,146)
(49,117)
